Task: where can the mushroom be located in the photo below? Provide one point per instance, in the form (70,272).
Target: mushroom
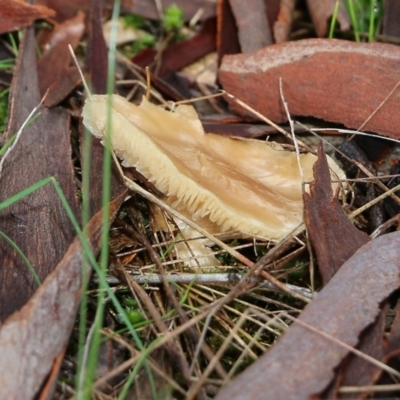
(227,184)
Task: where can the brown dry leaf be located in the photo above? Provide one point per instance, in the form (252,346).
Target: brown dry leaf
(32,338)
(252,24)
(321,13)
(390,18)
(17,14)
(302,361)
(38,224)
(68,9)
(96,62)
(55,73)
(227,38)
(283,23)
(244,27)
(334,238)
(334,80)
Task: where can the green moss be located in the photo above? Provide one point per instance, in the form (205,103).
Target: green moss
(133,21)
(173,18)
(146,41)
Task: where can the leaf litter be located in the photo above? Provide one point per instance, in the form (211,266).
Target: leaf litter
(42,151)
(231,323)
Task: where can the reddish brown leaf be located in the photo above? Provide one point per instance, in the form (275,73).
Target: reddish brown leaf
(65,9)
(283,23)
(46,320)
(301,363)
(321,13)
(96,55)
(54,71)
(252,22)
(334,238)
(179,55)
(335,80)
(227,38)
(17,14)
(38,224)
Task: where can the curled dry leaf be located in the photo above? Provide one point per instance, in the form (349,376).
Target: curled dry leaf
(335,239)
(334,80)
(301,363)
(253,187)
(55,74)
(17,14)
(254,31)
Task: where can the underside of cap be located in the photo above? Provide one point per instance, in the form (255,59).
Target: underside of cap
(251,186)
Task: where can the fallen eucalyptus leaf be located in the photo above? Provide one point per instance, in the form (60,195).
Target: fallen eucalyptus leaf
(17,14)
(335,80)
(31,338)
(301,363)
(335,239)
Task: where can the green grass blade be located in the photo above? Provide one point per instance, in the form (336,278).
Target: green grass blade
(87,149)
(7,144)
(23,193)
(334,19)
(354,21)
(23,256)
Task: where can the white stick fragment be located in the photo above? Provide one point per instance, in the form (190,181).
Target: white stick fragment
(19,133)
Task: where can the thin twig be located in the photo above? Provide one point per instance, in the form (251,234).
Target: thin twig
(268,121)
(358,353)
(296,145)
(380,106)
(388,193)
(374,179)
(71,50)
(19,133)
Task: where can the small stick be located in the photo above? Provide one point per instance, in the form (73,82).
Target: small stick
(349,348)
(375,179)
(296,145)
(380,106)
(148,83)
(230,278)
(268,121)
(71,50)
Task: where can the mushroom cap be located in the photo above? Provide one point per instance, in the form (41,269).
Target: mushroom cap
(251,186)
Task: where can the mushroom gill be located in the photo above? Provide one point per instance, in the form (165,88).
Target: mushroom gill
(250,186)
